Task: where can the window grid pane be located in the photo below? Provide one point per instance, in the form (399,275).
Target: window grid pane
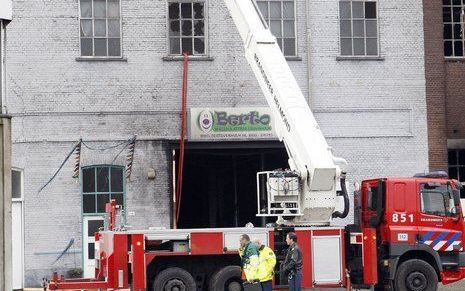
(113,9)
(358,28)
(453,22)
(86,28)
(100,28)
(99,185)
(280,17)
(288,10)
(357,10)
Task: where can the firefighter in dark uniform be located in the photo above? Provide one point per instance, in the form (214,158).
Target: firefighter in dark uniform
(293,263)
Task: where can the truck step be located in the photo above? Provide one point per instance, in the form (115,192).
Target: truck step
(450,264)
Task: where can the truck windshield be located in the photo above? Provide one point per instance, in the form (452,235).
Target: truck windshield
(438,199)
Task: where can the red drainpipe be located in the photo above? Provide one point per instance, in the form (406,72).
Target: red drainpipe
(182,138)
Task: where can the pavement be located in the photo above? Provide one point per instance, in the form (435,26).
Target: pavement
(459,286)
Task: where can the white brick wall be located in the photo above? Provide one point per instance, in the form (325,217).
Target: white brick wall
(379,91)
(55,100)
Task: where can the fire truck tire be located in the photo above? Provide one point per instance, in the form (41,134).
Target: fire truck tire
(228,278)
(413,275)
(174,279)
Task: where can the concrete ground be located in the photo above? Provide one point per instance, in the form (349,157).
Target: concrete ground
(459,286)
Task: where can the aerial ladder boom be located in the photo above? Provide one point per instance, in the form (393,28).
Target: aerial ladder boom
(307,193)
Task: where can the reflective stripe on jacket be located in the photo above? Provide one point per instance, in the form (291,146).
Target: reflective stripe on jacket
(267,264)
(250,261)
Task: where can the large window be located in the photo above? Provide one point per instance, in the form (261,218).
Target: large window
(99,185)
(187,25)
(456,162)
(100,28)
(280,16)
(437,200)
(358,28)
(453,28)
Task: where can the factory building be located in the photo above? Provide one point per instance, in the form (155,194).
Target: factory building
(95,95)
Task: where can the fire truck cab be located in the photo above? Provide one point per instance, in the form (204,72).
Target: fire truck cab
(419,228)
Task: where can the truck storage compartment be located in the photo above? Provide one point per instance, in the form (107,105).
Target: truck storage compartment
(326,253)
(323,256)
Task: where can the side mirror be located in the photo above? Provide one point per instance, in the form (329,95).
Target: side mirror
(357,187)
(453,213)
(462,206)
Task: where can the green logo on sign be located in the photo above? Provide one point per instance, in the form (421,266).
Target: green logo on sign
(221,121)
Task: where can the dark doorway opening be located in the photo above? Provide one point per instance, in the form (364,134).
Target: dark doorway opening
(219,185)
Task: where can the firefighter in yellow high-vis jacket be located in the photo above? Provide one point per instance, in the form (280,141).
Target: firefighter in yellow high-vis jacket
(267,264)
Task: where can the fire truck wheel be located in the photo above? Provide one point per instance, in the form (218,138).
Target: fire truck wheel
(228,278)
(416,275)
(174,279)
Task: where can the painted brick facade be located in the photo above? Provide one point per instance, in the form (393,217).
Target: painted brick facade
(380,93)
(435,71)
(373,111)
(444,90)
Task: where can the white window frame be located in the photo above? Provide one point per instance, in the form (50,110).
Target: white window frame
(296,54)
(85,241)
(378,37)
(21,200)
(206,29)
(2,65)
(21,171)
(106,28)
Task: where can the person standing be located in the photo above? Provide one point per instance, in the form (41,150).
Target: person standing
(293,263)
(267,265)
(249,258)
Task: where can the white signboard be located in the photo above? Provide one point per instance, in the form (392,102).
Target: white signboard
(5,9)
(224,124)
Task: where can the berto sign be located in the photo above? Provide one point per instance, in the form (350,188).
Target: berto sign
(230,124)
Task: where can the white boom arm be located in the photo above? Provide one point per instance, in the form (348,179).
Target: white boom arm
(310,157)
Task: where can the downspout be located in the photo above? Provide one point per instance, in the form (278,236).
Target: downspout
(309,56)
(182,137)
(3,66)
(5,165)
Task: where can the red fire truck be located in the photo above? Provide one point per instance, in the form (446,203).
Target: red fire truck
(408,233)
